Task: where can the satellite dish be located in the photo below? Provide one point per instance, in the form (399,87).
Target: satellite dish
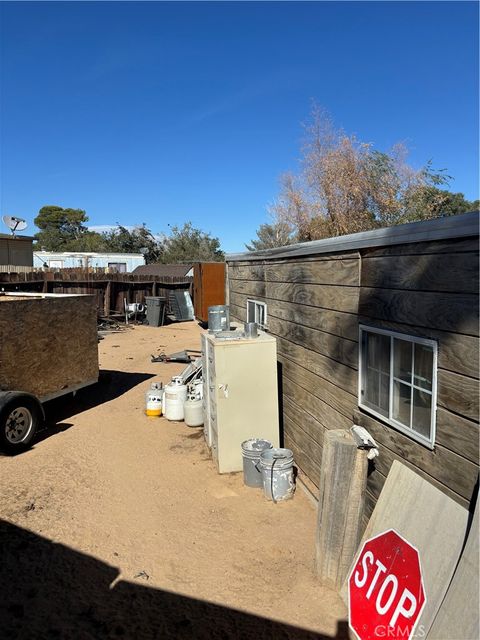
(14,224)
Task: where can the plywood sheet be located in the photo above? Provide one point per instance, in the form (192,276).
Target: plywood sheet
(458,615)
(430,521)
(47,342)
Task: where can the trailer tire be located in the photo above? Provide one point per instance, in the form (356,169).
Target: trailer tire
(20,416)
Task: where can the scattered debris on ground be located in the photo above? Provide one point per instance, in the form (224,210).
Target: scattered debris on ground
(120,491)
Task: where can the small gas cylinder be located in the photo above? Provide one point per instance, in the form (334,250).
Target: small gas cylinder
(153,399)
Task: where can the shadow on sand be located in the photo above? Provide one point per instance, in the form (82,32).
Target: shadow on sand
(111,385)
(51,591)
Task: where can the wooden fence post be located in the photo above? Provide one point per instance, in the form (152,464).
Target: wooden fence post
(106,298)
(343,479)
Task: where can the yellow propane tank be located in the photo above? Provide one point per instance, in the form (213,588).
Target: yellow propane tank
(153,399)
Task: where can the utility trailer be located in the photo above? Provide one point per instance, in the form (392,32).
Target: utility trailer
(48,348)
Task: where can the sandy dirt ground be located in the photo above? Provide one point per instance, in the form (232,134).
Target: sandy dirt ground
(118,525)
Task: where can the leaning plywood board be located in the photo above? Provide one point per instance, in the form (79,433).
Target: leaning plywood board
(430,521)
(458,616)
(48,343)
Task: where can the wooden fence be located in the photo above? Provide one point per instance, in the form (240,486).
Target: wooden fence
(110,289)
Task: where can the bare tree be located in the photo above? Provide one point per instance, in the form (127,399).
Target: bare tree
(292,206)
(346,186)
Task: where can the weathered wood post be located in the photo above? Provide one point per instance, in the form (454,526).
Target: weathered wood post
(106,299)
(343,478)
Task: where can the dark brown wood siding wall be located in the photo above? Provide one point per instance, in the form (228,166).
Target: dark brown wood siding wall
(315,306)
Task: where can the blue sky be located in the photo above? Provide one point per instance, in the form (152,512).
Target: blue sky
(167,112)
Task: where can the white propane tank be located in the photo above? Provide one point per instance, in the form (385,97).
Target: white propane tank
(175,396)
(193,409)
(153,399)
(196,388)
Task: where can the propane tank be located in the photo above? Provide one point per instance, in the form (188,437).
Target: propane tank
(175,396)
(198,388)
(153,399)
(195,389)
(193,410)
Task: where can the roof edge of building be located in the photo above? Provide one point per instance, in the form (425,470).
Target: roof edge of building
(449,227)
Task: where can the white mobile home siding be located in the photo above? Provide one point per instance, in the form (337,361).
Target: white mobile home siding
(70,259)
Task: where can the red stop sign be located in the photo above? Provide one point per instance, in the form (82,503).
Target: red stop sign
(385,589)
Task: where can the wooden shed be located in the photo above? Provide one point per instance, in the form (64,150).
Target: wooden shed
(378,329)
(208,287)
(16,251)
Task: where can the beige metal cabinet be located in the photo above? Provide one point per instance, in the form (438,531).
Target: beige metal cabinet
(240,395)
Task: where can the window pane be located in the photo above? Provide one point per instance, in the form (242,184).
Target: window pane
(376,381)
(422,412)
(402,360)
(401,403)
(384,393)
(378,352)
(371,388)
(423,366)
(260,315)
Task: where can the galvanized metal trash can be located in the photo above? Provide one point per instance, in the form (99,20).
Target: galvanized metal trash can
(251,450)
(155,310)
(278,479)
(218,318)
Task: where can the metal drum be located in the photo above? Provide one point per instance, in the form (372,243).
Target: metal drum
(276,466)
(218,318)
(251,450)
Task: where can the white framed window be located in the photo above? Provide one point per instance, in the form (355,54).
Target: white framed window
(55,264)
(257,312)
(397,381)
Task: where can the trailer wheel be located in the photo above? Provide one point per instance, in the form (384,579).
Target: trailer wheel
(20,416)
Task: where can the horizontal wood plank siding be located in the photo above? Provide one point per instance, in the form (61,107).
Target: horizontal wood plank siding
(337,349)
(453,312)
(342,375)
(342,272)
(452,272)
(458,394)
(344,325)
(325,415)
(338,298)
(314,308)
(454,245)
(458,434)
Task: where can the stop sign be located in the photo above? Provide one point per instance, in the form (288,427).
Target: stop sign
(385,588)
